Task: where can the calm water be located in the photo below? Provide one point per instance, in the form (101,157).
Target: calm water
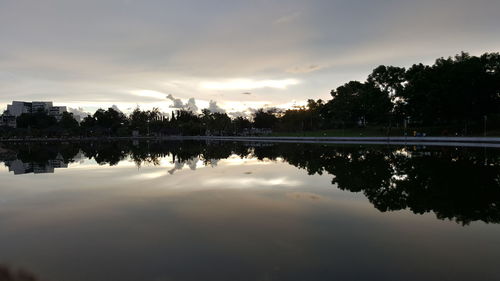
(234,211)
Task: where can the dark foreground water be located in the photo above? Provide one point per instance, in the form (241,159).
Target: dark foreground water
(234,211)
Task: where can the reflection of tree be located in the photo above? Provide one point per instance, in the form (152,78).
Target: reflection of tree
(462,184)
(40,153)
(454,184)
(105,152)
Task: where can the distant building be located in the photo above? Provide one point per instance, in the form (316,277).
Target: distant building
(8,120)
(39,106)
(17,108)
(57,111)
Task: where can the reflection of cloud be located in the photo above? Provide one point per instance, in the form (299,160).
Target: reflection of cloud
(192,163)
(149,175)
(213,162)
(249,182)
(235,160)
(303,195)
(178,165)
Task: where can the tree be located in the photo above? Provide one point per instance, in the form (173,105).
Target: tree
(388,79)
(110,120)
(39,120)
(454,90)
(264,119)
(357,102)
(68,122)
(240,124)
(138,120)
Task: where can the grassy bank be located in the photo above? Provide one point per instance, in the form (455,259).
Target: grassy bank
(348,132)
(383,132)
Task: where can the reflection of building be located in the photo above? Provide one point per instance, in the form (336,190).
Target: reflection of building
(17,108)
(19,167)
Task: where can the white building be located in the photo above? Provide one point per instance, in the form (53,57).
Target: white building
(38,106)
(17,108)
(57,111)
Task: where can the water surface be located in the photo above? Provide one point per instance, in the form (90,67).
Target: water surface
(243,211)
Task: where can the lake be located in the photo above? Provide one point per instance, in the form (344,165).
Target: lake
(249,211)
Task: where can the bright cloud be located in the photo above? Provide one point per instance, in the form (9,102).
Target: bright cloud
(150,94)
(248,84)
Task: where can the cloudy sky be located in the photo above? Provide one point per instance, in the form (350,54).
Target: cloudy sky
(239,54)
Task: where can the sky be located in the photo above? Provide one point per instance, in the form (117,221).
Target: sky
(229,55)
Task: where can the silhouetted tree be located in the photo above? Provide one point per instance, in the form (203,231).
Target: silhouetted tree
(264,119)
(68,123)
(357,102)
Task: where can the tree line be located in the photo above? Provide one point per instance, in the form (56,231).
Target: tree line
(459,94)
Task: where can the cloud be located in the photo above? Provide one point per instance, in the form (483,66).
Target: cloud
(287,18)
(213,107)
(247,113)
(237,114)
(248,84)
(190,105)
(177,102)
(246,93)
(304,69)
(150,94)
(115,107)
(79,112)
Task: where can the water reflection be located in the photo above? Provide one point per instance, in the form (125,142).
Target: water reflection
(10,274)
(460,184)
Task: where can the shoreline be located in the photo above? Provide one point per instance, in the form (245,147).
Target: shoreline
(430,141)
